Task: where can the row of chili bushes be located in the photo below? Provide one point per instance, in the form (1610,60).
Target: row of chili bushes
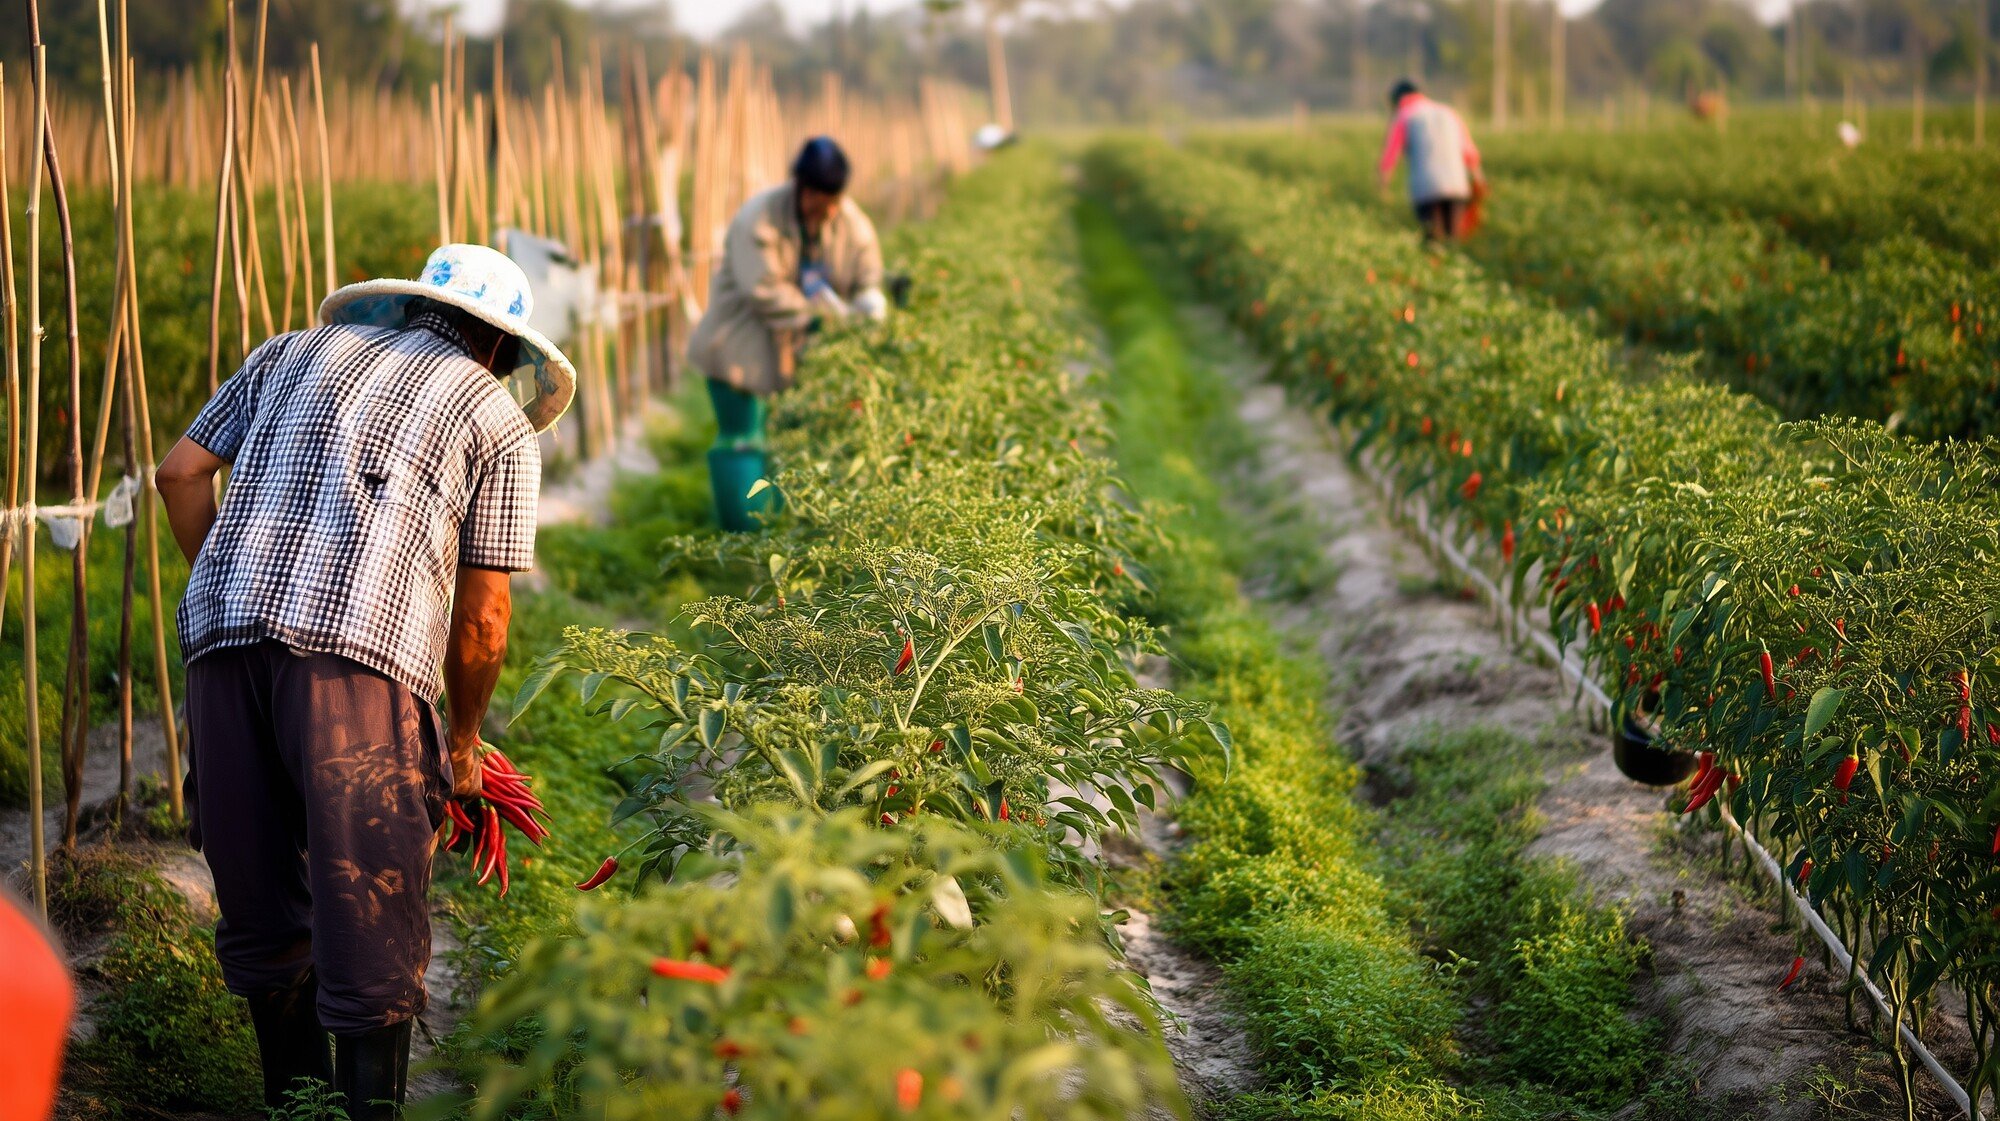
(1407,964)
(1786,168)
(1897,333)
(1789,596)
(858,882)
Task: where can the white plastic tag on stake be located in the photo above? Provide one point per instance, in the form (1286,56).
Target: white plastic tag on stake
(118,507)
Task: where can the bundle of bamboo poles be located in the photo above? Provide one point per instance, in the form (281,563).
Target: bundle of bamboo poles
(386,136)
(603,175)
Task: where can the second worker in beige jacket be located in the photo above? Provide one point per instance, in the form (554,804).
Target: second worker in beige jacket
(750,337)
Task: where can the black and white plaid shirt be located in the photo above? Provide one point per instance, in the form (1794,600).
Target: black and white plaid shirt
(368,465)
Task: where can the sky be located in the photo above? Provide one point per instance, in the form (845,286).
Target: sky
(706,18)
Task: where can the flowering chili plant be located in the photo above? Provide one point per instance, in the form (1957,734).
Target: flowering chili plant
(943,621)
(1000,703)
(820,967)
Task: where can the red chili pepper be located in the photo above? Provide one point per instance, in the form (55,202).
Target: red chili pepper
(1678,655)
(909,1090)
(604,872)
(1964,722)
(1993,735)
(1703,791)
(1704,762)
(1996,841)
(878,968)
(878,926)
(1615,603)
(1507,543)
(1794,592)
(1004,812)
(732,1101)
(908,656)
(937,746)
(1770,681)
(674,969)
(1843,775)
(1805,870)
(1596,617)
(1793,975)
(1964,687)
(1471,487)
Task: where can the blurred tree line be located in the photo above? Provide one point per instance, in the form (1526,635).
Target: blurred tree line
(1095,60)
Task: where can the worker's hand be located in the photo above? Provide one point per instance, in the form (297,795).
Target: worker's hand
(465,772)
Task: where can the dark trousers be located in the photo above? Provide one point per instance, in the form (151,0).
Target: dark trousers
(1442,219)
(319,787)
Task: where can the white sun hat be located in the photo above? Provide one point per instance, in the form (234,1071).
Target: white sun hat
(484,283)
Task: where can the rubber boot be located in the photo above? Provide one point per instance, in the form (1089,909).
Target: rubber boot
(371,1071)
(734,471)
(290,1043)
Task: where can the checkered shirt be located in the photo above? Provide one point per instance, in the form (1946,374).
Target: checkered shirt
(368,464)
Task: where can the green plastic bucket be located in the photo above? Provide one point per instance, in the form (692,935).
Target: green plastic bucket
(733,472)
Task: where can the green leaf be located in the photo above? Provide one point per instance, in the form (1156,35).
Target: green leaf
(713,721)
(781,911)
(545,671)
(1825,703)
(863,775)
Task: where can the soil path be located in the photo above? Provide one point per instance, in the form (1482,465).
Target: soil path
(1408,652)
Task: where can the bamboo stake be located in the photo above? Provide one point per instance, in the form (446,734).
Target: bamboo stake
(298,165)
(76,686)
(10,325)
(148,515)
(30,665)
(325,174)
(223,226)
(122,210)
(286,259)
(437,142)
(233,92)
(246,165)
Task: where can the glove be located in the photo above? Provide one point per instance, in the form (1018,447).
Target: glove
(829,304)
(872,304)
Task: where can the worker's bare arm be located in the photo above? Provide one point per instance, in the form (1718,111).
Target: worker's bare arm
(480,613)
(186,482)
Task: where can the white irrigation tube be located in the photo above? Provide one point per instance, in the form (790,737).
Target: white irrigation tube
(1567,662)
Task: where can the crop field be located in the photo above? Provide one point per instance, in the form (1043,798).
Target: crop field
(1209,652)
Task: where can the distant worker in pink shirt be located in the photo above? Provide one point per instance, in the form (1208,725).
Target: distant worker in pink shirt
(1445,176)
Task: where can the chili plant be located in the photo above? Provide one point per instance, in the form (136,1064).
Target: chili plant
(818,966)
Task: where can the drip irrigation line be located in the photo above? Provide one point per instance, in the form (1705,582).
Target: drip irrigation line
(1567,663)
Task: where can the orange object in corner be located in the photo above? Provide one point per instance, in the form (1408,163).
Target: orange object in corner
(35,990)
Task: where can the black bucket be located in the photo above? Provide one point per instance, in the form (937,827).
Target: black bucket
(1632,749)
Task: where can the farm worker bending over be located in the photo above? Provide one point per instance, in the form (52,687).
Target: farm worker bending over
(796,254)
(1444,163)
(383,486)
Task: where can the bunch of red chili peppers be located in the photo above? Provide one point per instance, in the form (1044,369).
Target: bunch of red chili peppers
(504,798)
